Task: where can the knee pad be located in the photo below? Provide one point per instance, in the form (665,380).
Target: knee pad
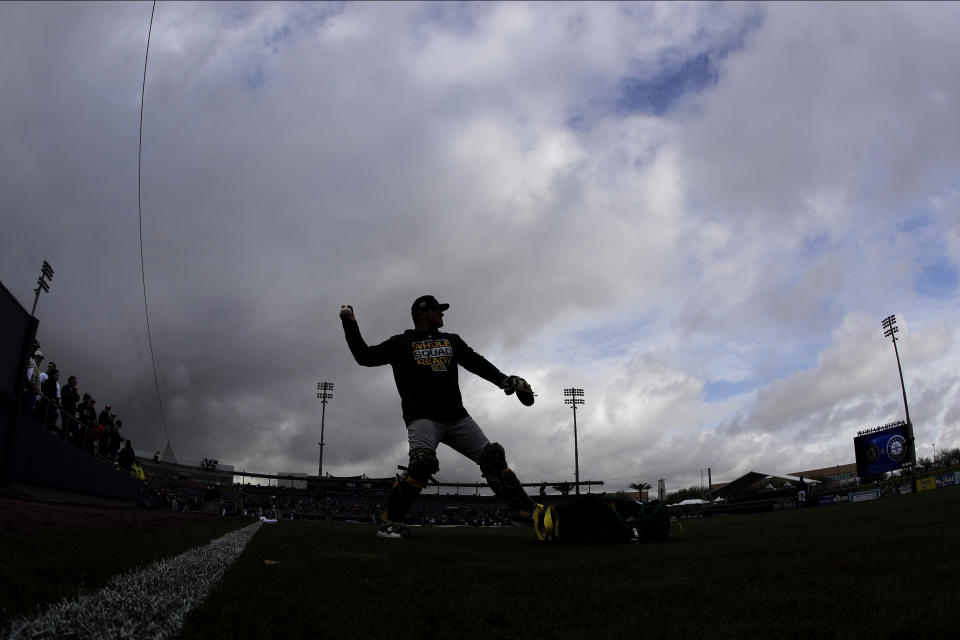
(423,464)
(503,481)
(493,460)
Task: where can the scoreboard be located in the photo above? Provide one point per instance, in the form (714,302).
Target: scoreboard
(883,449)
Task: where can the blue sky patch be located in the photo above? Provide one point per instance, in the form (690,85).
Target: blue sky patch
(757,361)
(653,95)
(918,220)
(679,75)
(603,341)
(255,77)
(717,390)
(816,245)
(938,278)
(456,17)
(657,94)
(279,36)
(655,90)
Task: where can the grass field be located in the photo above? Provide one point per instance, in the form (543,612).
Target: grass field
(878,569)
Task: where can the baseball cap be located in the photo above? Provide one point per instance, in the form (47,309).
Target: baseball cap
(427,302)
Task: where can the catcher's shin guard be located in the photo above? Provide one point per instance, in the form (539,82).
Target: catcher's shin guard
(402,496)
(503,481)
(423,464)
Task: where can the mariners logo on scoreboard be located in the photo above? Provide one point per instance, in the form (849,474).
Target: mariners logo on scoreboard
(897,448)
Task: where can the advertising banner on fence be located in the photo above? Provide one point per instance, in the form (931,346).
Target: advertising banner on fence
(926,484)
(861,496)
(946,481)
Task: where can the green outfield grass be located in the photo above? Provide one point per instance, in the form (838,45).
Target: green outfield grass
(879,569)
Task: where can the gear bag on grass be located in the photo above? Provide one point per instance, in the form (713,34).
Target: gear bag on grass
(595,519)
(651,520)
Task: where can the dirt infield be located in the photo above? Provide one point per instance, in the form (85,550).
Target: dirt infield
(19,515)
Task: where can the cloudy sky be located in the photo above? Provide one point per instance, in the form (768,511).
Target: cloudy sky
(698,213)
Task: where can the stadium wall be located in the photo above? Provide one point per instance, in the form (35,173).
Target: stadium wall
(31,458)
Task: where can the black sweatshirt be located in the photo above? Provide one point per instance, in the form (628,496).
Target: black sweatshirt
(425,369)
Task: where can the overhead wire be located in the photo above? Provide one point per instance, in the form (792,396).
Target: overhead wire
(143,274)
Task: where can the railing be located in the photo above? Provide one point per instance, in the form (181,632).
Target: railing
(46,412)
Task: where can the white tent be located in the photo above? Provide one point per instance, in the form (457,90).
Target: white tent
(684,503)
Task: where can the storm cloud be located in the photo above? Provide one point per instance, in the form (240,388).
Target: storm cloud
(699,213)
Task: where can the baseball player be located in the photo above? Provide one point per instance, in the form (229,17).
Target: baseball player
(425,364)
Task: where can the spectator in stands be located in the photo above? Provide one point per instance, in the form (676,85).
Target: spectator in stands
(40,413)
(88,418)
(801,492)
(69,397)
(104,424)
(126,458)
(115,439)
(48,408)
(31,390)
(51,366)
(40,408)
(104,417)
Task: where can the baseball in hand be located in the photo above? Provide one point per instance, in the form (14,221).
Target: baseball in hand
(346,311)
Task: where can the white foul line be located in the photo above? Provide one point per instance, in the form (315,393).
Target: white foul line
(150,603)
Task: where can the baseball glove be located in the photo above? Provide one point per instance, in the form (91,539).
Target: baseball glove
(516,384)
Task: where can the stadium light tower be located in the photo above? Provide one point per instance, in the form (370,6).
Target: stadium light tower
(324,393)
(46,273)
(573,397)
(890,330)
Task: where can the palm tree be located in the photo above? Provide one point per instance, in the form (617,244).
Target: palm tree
(640,487)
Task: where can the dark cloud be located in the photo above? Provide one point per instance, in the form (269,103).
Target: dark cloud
(300,157)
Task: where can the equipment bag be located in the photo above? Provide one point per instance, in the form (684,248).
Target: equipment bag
(595,519)
(651,520)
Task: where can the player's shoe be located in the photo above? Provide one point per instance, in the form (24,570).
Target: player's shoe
(394,530)
(544,522)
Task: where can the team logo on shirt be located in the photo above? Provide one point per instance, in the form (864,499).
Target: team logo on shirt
(436,354)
